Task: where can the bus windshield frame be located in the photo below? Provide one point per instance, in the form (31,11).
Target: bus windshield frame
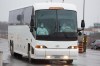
(56,25)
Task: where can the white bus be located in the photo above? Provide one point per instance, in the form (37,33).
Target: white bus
(44,31)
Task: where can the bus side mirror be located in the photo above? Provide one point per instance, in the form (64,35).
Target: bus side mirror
(35,28)
(32,22)
(82,24)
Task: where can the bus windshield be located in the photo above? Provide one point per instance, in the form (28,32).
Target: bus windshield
(56,24)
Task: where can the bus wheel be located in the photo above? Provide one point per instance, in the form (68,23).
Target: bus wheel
(11,48)
(29,57)
(29,53)
(69,61)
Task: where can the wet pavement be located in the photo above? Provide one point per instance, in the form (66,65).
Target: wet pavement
(90,58)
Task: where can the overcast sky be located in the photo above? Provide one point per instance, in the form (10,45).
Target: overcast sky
(92,12)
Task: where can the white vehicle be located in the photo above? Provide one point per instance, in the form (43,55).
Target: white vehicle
(44,31)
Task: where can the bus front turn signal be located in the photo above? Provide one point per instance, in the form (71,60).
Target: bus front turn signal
(40,46)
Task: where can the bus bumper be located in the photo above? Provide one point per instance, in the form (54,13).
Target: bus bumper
(56,54)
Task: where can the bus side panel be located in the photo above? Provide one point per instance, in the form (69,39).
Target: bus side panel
(21,37)
(18,29)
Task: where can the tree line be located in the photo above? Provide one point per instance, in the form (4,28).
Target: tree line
(3,27)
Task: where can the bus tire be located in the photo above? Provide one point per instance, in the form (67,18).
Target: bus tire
(29,57)
(69,61)
(29,53)
(11,48)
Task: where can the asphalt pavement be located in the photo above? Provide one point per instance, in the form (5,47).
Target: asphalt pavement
(90,58)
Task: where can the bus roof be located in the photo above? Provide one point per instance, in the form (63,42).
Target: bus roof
(39,6)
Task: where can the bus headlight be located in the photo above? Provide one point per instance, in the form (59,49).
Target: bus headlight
(73,47)
(65,57)
(40,46)
(48,57)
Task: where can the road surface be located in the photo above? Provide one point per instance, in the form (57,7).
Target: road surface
(90,58)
